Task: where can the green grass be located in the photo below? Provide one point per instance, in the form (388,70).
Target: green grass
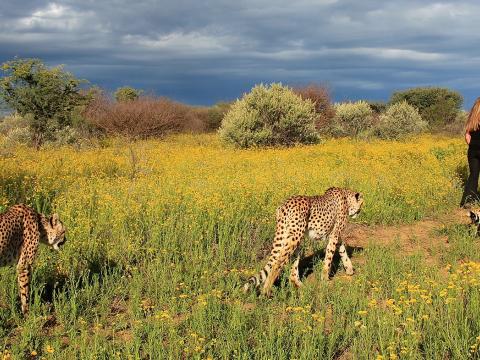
(155,262)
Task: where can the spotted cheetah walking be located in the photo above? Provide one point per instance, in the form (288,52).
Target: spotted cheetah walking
(21,230)
(321,217)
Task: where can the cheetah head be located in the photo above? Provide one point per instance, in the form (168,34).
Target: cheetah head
(475,217)
(54,232)
(354,202)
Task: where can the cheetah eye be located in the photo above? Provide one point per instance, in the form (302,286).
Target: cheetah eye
(358,196)
(473,216)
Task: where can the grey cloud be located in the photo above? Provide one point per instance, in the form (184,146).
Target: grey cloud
(202,52)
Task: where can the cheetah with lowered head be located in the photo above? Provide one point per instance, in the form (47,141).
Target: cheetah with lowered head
(320,217)
(21,230)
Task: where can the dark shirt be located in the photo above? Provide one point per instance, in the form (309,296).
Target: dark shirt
(475,140)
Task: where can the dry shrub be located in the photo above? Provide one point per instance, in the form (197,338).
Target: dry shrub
(320,96)
(142,118)
(196,119)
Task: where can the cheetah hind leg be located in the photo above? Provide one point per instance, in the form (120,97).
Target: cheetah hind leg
(275,269)
(23,275)
(294,273)
(278,260)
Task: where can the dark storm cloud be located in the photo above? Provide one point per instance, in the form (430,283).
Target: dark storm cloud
(201,52)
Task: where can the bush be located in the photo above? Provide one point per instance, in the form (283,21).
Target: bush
(457,127)
(320,97)
(437,106)
(270,115)
(195,119)
(66,136)
(143,118)
(127,93)
(11,122)
(215,114)
(352,119)
(378,107)
(15,130)
(399,120)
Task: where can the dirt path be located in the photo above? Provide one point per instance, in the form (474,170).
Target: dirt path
(422,235)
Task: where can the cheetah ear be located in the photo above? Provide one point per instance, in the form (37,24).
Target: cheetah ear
(358,196)
(54,220)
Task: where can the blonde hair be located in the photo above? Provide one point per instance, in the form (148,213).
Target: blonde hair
(473,122)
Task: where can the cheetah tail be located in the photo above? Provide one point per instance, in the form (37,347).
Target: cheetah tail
(256,280)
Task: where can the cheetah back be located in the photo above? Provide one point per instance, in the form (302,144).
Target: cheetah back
(12,229)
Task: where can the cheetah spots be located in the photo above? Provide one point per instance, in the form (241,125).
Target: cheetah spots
(319,216)
(21,229)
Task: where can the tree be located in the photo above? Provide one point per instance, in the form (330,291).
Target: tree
(45,96)
(437,106)
(127,93)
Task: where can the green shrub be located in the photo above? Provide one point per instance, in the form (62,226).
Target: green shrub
(399,120)
(351,119)
(215,114)
(457,127)
(270,115)
(378,107)
(15,129)
(66,136)
(11,122)
(20,135)
(127,93)
(437,106)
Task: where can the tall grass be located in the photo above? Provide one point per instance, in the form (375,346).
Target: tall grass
(161,235)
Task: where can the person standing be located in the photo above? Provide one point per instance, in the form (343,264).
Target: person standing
(472,137)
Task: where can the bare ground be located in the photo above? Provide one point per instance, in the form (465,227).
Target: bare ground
(424,235)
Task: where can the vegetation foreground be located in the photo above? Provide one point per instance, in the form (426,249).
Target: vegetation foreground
(162,234)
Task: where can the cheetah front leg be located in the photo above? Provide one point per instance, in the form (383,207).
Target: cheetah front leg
(23,275)
(347,263)
(329,252)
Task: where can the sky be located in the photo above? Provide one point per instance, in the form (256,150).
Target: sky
(201,52)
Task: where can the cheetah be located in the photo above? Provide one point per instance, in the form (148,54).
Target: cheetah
(21,230)
(322,217)
(475,217)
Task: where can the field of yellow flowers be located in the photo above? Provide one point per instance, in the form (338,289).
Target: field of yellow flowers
(163,233)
